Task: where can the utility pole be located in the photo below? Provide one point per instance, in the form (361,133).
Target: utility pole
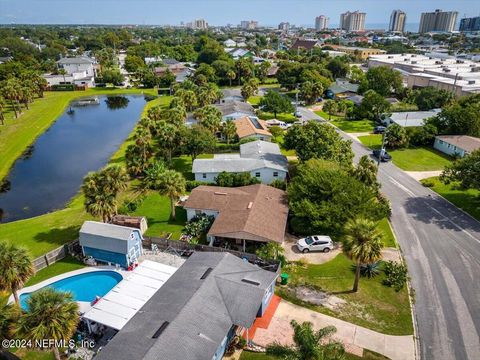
(382,149)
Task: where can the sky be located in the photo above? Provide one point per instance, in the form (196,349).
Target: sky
(217,12)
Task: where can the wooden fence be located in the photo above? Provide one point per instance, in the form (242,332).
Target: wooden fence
(53,256)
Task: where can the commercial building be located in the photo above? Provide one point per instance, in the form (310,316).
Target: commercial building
(284,26)
(470,24)
(321,23)
(397,21)
(438,21)
(361,53)
(198,24)
(249,24)
(353,21)
(460,76)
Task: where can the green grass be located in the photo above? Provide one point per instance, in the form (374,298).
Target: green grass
(280,140)
(326,116)
(374,306)
(287,117)
(354,126)
(60,267)
(249,355)
(367,355)
(467,200)
(410,159)
(388,237)
(34,355)
(254,100)
(183,164)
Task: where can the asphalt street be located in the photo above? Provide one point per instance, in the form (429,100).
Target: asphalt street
(441,245)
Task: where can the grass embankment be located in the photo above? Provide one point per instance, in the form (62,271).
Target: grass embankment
(46,232)
(466,199)
(411,159)
(374,306)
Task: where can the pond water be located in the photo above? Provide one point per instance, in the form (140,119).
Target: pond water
(51,171)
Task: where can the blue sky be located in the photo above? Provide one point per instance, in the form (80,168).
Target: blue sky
(216,12)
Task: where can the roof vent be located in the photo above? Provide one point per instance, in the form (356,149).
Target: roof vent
(250,204)
(446,70)
(471,82)
(206,273)
(160,330)
(251,282)
(220,193)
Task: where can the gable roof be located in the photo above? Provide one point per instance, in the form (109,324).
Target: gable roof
(231,107)
(255,212)
(253,155)
(75,60)
(196,313)
(413,118)
(464,142)
(108,237)
(306,44)
(344,87)
(250,125)
(106,230)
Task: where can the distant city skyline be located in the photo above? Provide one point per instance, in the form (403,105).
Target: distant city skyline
(219,12)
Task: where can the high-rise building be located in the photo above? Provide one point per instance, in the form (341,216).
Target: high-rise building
(470,24)
(441,21)
(321,23)
(248,24)
(198,24)
(284,26)
(352,21)
(397,21)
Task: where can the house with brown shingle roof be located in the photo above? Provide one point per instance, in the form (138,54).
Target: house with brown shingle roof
(456,145)
(252,127)
(305,44)
(255,213)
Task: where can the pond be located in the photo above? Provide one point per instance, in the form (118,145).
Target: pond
(83,139)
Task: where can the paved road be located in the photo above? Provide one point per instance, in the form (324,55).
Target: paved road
(441,245)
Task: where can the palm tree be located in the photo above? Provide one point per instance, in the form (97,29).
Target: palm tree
(330,107)
(15,268)
(8,317)
(51,315)
(231,76)
(173,185)
(63,72)
(229,130)
(2,108)
(309,344)
(363,244)
(11,90)
(26,96)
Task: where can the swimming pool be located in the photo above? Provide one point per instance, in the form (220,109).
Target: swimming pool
(84,287)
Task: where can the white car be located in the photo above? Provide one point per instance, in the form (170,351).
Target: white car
(315,243)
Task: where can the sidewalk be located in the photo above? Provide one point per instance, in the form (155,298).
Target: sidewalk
(355,338)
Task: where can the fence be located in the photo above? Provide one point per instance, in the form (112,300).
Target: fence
(55,255)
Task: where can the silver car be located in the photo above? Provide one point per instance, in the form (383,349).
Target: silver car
(315,243)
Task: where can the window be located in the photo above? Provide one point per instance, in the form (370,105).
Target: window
(275,174)
(204,176)
(198,212)
(257,174)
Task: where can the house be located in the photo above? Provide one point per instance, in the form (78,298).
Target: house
(261,159)
(305,44)
(229,43)
(409,118)
(252,127)
(80,71)
(456,145)
(240,53)
(111,243)
(232,110)
(137,222)
(231,95)
(341,89)
(211,298)
(180,70)
(254,213)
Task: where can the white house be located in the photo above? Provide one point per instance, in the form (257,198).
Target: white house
(229,43)
(79,71)
(261,159)
(456,145)
(410,118)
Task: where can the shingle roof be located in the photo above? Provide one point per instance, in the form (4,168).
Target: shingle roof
(231,107)
(344,87)
(306,44)
(75,60)
(246,127)
(253,155)
(464,142)
(199,312)
(255,212)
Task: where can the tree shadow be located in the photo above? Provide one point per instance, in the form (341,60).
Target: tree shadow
(58,236)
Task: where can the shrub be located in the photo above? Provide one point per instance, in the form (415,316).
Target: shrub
(396,275)
(130,206)
(368,270)
(199,225)
(279,184)
(192,184)
(427,182)
(63,87)
(225,148)
(235,179)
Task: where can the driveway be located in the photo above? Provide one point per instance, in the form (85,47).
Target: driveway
(355,338)
(314,257)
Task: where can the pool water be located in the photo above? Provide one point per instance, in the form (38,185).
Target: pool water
(84,287)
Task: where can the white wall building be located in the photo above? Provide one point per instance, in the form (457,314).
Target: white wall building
(456,145)
(79,71)
(438,21)
(397,21)
(321,23)
(353,21)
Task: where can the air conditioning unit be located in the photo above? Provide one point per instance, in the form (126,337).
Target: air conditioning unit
(438,62)
(460,62)
(446,70)
(414,61)
(476,69)
(471,82)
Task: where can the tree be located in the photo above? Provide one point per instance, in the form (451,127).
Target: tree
(373,105)
(310,92)
(133,63)
(2,109)
(271,251)
(465,171)
(363,244)
(274,102)
(15,268)
(227,179)
(113,76)
(366,171)
(357,76)
(231,75)
(209,117)
(11,90)
(249,88)
(323,196)
(188,97)
(395,136)
(8,317)
(207,95)
(169,137)
(309,344)
(383,80)
(198,140)
(428,98)
(338,67)
(51,315)
(229,130)
(321,141)
(330,107)
(101,189)
(166,79)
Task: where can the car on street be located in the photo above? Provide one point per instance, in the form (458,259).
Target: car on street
(298,114)
(379,129)
(385,157)
(315,243)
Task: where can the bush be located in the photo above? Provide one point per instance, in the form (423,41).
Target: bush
(368,270)
(279,184)
(199,225)
(130,206)
(427,182)
(192,184)
(63,87)
(396,275)
(225,148)
(235,179)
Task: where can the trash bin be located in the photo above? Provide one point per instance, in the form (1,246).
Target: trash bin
(284,279)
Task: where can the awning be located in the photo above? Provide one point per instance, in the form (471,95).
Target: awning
(121,303)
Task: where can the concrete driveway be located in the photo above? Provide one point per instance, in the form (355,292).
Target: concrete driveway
(293,254)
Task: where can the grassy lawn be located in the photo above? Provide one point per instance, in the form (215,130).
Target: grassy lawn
(467,200)
(287,117)
(326,116)
(367,355)
(254,100)
(279,140)
(60,267)
(354,126)
(46,232)
(388,237)
(411,159)
(374,306)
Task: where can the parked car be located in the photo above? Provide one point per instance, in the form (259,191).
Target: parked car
(385,157)
(298,114)
(315,243)
(379,129)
